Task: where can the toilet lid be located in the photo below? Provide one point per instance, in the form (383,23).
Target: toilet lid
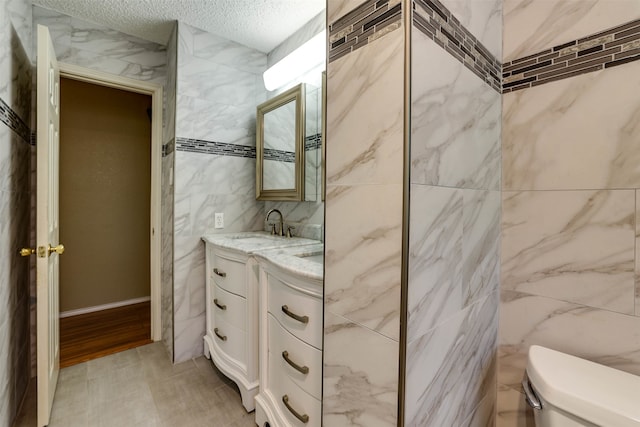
(596,393)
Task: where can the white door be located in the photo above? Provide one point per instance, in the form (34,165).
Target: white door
(48,246)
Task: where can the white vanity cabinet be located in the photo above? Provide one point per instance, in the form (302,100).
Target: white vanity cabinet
(290,345)
(231,339)
(232,282)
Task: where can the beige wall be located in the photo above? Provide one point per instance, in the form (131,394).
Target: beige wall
(105,169)
(569,219)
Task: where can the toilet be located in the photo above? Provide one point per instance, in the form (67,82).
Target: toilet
(566,391)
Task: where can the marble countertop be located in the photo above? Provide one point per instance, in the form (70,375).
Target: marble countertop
(254,241)
(305,261)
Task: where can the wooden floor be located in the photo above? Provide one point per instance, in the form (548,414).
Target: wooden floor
(92,335)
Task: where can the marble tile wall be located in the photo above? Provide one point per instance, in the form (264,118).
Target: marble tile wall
(168,190)
(15,155)
(219,85)
(95,46)
(609,48)
(364,163)
(570,214)
(454,237)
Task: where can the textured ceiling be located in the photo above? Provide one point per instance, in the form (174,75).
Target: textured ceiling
(261,24)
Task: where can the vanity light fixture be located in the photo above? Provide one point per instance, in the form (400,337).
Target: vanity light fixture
(298,63)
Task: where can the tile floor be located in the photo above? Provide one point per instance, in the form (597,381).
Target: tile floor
(141,387)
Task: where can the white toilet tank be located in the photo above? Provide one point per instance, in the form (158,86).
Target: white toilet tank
(567,391)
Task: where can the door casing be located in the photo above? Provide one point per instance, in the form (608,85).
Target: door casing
(75,72)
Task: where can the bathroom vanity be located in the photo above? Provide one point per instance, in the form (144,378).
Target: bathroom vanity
(290,343)
(232,279)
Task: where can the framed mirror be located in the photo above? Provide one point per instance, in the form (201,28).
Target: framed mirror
(280,146)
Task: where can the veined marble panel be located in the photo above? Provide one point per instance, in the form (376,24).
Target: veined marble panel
(455,121)
(20,15)
(365,115)
(200,78)
(532,26)
(195,173)
(480,243)
(189,278)
(115,44)
(208,120)
(170,89)
(15,155)
(576,246)
(112,65)
(15,73)
(601,336)
(483,19)
(363,255)
(241,213)
(594,114)
(451,368)
(188,338)
(226,52)
(97,47)
(435,290)
(59,25)
(360,374)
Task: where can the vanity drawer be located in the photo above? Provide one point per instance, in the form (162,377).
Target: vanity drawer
(299,313)
(306,357)
(229,307)
(298,400)
(228,274)
(230,339)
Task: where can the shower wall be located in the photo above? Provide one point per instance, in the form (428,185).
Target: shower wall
(570,219)
(454,226)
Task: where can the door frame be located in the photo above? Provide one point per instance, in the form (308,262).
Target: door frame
(88,75)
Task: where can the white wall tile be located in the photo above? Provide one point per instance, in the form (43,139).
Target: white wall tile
(455,121)
(576,246)
(360,384)
(533,26)
(576,133)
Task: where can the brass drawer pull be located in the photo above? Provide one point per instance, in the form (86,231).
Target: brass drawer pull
(222,337)
(294,365)
(219,272)
(304,418)
(302,319)
(220,306)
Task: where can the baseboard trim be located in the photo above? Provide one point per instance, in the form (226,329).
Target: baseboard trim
(103,307)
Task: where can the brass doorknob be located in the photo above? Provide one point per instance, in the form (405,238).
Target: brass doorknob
(27,251)
(57,249)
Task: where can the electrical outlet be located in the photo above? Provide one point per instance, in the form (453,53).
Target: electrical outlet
(219,220)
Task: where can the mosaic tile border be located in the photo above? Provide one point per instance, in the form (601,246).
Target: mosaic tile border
(364,24)
(14,122)
(212,147)
(313,142)
(169,147)
(279,155)
(606,49)
(440,25)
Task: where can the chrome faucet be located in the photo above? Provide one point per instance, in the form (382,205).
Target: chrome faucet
(273,229)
